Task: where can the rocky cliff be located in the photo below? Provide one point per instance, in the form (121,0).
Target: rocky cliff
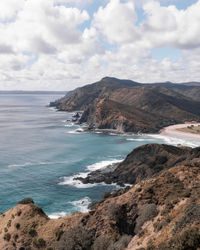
(160,211)
(127,106)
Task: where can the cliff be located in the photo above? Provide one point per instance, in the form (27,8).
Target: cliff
(127,106)
(161,211)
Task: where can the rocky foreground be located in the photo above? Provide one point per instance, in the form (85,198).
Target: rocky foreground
(160,211)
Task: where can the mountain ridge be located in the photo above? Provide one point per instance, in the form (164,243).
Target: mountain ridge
(169,104)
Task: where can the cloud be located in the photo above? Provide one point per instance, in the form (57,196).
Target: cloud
(10,8)
(116,22)
(40,26)
(5,49)
(56,44)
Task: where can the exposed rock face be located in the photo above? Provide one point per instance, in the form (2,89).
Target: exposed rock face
(143,162)
(127,106)
(161,212)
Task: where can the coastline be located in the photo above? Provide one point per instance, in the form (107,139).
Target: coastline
(172,131)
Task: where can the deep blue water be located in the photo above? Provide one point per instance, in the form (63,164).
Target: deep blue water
(40,150)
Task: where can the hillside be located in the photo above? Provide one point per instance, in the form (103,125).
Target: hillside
(161,211)
(127,106)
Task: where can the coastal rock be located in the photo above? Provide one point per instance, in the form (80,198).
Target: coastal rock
(127,106)
(160,212)
(143,162)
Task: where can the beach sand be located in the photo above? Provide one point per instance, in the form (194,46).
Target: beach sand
(173,131)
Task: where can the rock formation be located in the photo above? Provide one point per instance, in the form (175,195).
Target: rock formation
(160,211)
(127,106)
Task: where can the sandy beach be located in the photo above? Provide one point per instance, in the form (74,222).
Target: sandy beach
(173,131)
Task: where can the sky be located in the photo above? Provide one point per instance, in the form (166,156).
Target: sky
(65,44)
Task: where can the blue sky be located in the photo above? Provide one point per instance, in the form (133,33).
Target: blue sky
(63,44)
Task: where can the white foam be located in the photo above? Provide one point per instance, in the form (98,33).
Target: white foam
(20,165)
(27,164)
(57,215)
(79,205)
(76,131)
(70,125)
(82,205)
(102,164)
(53,109)
(69,180)
(131,139)
(176,141)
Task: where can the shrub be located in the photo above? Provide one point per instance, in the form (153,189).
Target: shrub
(15,236)
(146,213)
(7,236)
(188,240)
(75,238)
(32,232)
(17,225)
(39,243)
(59,233)
(138,189)
(101,243)
(9,223)
(26,201)
(19,212)
(192,213)
(122,243)
(106,195)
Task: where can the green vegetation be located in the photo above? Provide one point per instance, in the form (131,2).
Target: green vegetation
(32,232)
(59,233)
(17,225)
(26,201)
(191,129)
(39,243)
(7,236)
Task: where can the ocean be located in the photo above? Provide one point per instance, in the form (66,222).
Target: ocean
(41,151)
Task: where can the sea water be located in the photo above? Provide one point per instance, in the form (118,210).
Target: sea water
(41,151)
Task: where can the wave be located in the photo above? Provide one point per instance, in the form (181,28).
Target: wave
(102,164)
(70,180)
(82,205)
(70,125)
(78,206)
(176,141)
(76,131)
(27,164)
(131,139)
(52,108)
(57,215)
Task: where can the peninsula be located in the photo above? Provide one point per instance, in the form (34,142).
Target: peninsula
(128,106)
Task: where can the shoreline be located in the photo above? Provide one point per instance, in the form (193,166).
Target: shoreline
(173,131)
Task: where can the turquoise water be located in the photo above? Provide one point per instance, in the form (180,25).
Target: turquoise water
(40,151)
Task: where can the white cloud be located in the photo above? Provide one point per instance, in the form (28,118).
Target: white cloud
(43,47)
(117,21)
(10,8)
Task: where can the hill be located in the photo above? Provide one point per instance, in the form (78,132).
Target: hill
(128,106)
(161,211)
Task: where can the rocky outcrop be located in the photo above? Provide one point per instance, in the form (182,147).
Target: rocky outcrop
(143,162)
(160,212)
(127,106)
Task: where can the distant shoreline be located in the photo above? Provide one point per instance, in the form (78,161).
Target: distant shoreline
(173,131)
